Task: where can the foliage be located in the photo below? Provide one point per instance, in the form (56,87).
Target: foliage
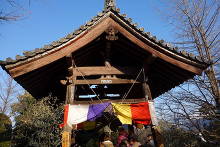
(5,130)
(177,136)
(36,122)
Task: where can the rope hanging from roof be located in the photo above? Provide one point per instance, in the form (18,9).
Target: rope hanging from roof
(125,95)
(86,81)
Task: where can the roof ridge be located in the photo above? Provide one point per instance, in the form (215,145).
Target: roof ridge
(110,4)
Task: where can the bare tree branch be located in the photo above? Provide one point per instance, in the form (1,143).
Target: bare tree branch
(197,27)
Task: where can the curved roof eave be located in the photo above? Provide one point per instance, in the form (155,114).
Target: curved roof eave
(91,26)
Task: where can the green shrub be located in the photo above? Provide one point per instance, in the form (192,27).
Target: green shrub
(5,130)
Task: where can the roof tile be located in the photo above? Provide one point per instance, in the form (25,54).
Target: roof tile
(19,57)
(123,15)
(89,23)
(55,43)
(63,40)
(117,10)
(29,53)
(141,29)
(134,24)
(10,60)
(100,14)
(48,47)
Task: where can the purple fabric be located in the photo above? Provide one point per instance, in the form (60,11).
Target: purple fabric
(95,110)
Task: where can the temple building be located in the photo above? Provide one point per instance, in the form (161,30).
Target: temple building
(108,59)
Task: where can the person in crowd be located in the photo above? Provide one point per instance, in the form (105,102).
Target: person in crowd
(150,141)
(133,142)
(124,143)
(107,141)
(123,135)
(141,133)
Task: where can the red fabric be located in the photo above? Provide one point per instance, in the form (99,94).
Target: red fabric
(66,110)
(141,113)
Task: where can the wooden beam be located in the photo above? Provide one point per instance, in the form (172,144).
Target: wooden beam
(110,100)
(105,81)
(103,70)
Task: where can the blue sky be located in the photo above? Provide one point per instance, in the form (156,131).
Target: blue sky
(45,21)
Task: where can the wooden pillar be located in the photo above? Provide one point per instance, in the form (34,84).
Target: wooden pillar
(66,139)
(66,135)
(70,94)
(155,132)
(146,90)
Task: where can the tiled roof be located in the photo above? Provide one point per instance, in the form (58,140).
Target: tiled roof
(38,52)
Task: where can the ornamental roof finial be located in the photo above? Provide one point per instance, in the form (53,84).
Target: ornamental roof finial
(110,4)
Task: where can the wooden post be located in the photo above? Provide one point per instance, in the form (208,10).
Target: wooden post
(66,135)
(71,90)
(146,90)
(66,139)
(70,94)
(155,132)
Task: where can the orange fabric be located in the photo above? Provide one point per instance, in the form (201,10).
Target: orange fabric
(140,113)
(66,109)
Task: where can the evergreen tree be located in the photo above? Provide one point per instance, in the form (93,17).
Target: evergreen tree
(36,122)
(5,130)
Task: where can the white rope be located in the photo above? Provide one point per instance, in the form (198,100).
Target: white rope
(145,81)
(126,94)
(87,82)
(90,87)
